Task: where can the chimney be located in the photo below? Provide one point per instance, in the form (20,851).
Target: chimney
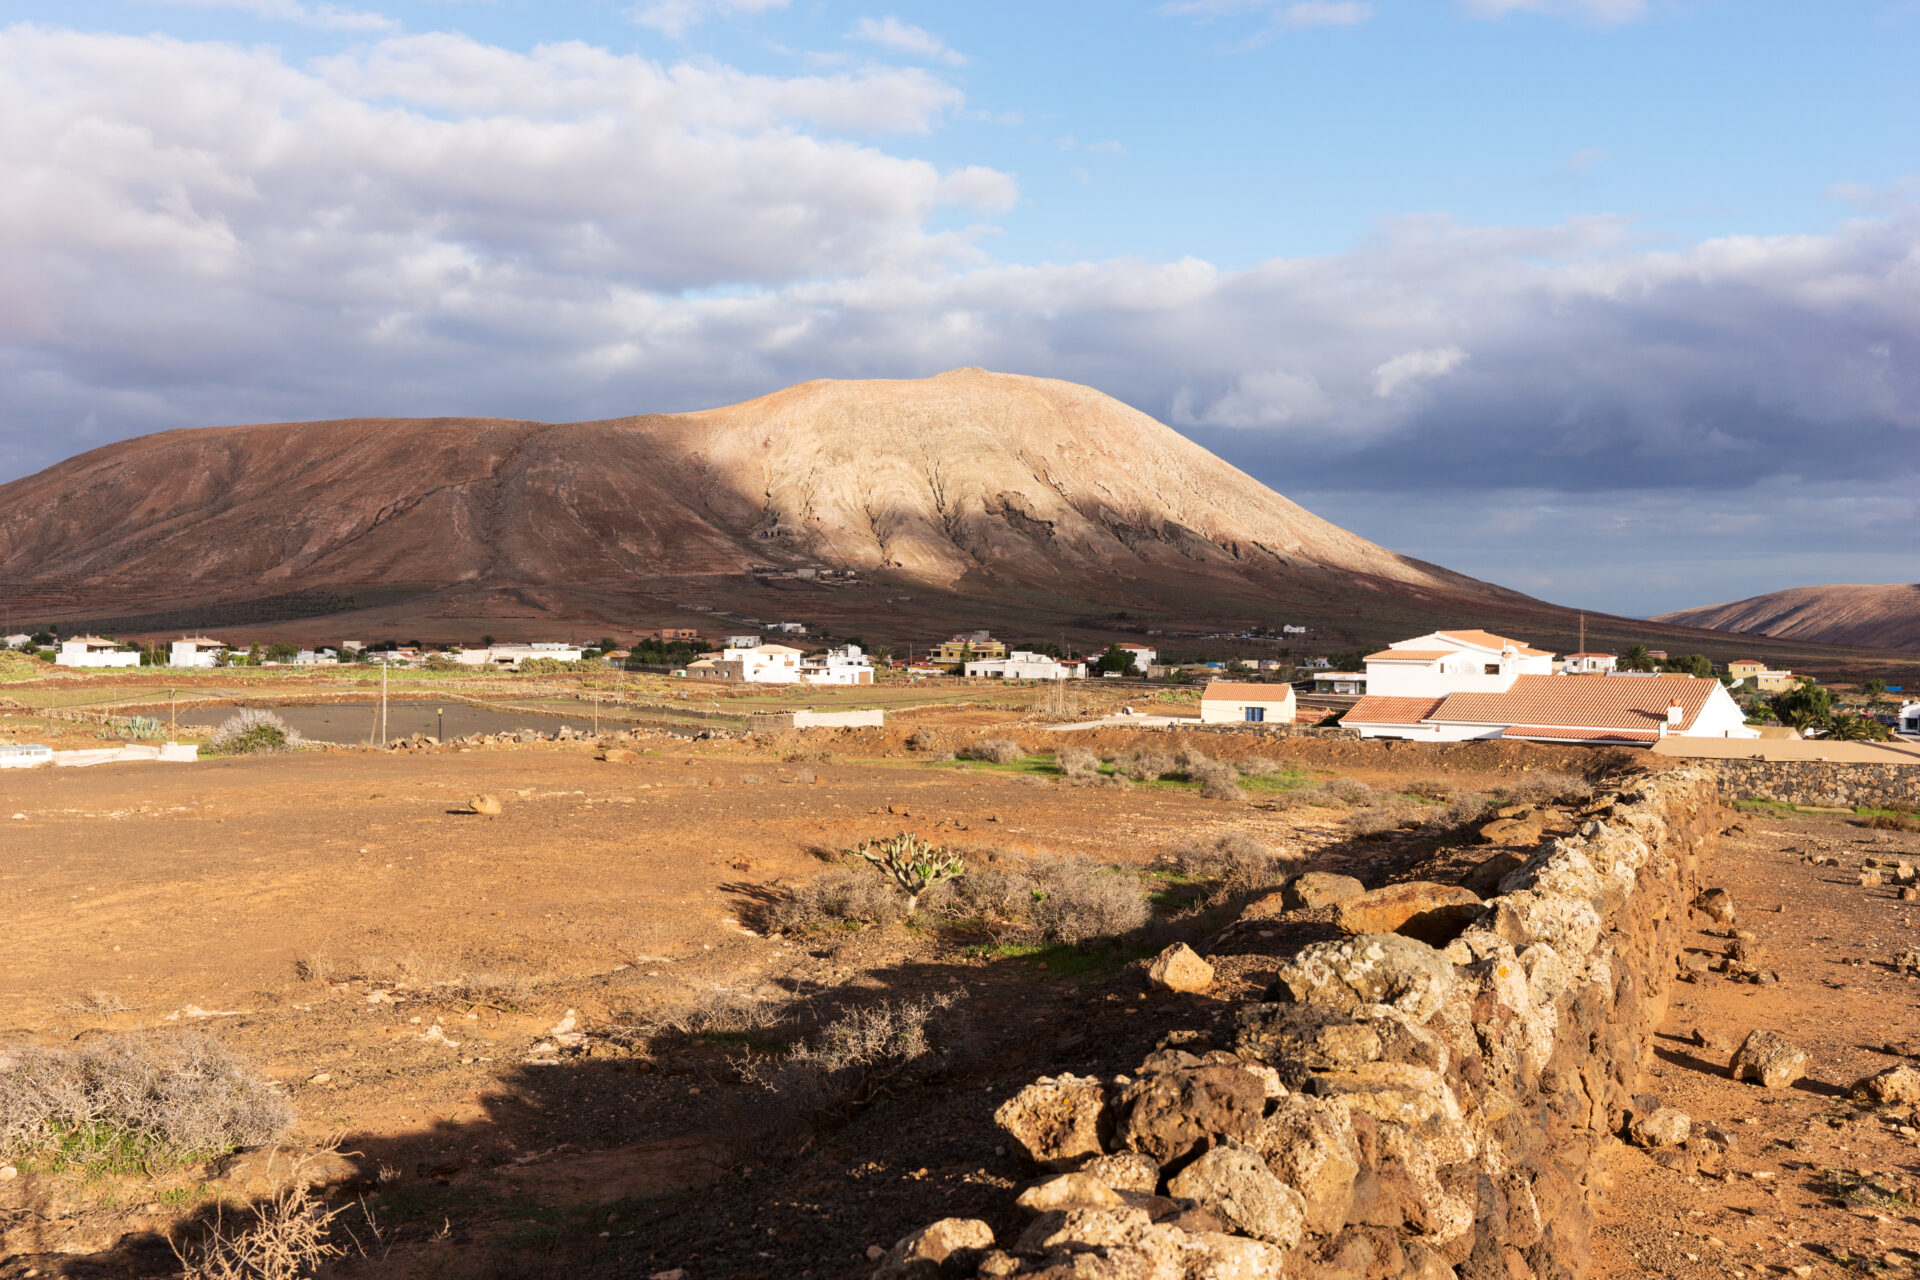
(1675,713)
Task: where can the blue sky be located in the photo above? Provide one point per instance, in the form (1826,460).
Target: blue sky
(1615,301)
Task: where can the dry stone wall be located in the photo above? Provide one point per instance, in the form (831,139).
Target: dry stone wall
(1812,782)
(1389,1108)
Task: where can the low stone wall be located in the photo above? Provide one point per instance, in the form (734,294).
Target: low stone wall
(1389,1109)
(1843,784)
(778,721)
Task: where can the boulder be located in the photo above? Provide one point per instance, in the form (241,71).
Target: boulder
(1716,905)
(258,1172)
(1172,1114)
(1309,1144)
(1320,889)
(1511,831)
(1770,1059)
(1899,1084)
(951,1247)
(1419,909)
(1237,1185)
(1374,968)
(1069,1191)
(1058,1121)
(1126,1171)
(1178,968)
(1663,1127)
(619,755)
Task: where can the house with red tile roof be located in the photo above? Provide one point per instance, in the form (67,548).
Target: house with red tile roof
(1453,661)
(1593,710)
(1236,702)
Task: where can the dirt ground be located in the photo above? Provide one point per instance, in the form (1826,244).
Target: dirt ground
(525,1028)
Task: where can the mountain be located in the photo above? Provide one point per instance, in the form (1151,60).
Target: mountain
(1035,507)
(1882,616)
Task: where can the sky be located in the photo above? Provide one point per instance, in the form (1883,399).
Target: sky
(1616,302)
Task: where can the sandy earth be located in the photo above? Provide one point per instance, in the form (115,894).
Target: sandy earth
(494,1013)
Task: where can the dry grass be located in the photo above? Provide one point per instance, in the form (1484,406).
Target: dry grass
(1218,780)
(864,1052)
(1346,790)
(1548,786)
(253,730)
(1233,865)
(842,894)
(1079,764)
(992,750)
(289,1237)
(137,1099)
(1146,766)
(1383,815)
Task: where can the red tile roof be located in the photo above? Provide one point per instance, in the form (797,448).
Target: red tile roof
(1380,709)
(1542,733)
(1410,655)
(1488,640)
(1584,702)
(1242,691)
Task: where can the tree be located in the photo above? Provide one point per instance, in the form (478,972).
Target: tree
(1689,664)
(1857,729)
(253,654)
(1636,659)
(1804,706)
(1116,659)
(281,651)
(486,642)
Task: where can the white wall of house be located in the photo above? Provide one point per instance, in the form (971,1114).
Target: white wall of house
(88,651)
(1143,657)
(1720,718)
(1023,664)
(1909,720)
(194,653)
(845,665)
(765,663)
(1460,667)
(1589,664)
(512,655)
(1235,710)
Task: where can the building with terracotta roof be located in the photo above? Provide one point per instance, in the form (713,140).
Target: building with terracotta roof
(1589,664)
(95,651)
(1237,702)
(1459,660)
(197,651)
(1594,710)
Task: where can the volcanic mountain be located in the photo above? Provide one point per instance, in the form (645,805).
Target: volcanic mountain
(1884,616)
(967,499)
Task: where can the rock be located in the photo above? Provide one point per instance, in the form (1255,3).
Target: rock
(1743,950)
(1870,879)
(1058,1121)
(1663,1128)
(1127,1171)
(1374,968)
(1895,1085)
(1717,1041)
(1218,1256)
(1084,1230)
(8,1173)
(1172,1114)
(1716,905)
(1420,909)
(1511,831)
(487,805)
(1769,1059)
(950,1247)
(1069,1191)
(619,755)
(1178,968)
(1909,894)
(1485,878)
(1320,889)
(1309,1144)
(266,1171)
(1236,1184)
(1907,962)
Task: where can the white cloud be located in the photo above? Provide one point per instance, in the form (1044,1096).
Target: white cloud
(332,17)
(1412,366)
(1606,12)
(1294,14)
(675,18)
(903,37)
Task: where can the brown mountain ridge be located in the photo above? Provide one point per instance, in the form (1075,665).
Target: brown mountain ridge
(1884,616)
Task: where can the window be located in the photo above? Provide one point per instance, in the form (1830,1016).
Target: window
(1256,715)
(1492,669)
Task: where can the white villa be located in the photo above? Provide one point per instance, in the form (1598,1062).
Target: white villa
(1024,664)
(1443,662)
(18,640)
(1909,718)
(845,665)
(1588,664)
(1343,682)
(1453,686)
(1143,656)
(94,651)
(1232,701)
(200,651)
(512,655)
(760,663)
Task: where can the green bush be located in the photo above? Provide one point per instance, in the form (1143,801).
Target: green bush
(253,731)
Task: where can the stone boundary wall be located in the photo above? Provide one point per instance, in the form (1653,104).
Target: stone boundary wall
(1847,784)
(1388,1109)
(776,721)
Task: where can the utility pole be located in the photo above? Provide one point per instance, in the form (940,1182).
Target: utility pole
(383,704)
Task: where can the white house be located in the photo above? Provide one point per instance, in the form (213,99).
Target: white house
(1024,664)
(197,652)
(742,642)
(845,665)
(18,640)
(1588,664)
(512,655)
(1143,656)
(1589,710)
(94,651)
(759,663)
(1459,661)
(1909,719)
(1231,702)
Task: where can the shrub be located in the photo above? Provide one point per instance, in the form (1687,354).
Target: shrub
(1347,790)
(862,1053)
(1548,786)
(253,730)
(992,750)
(286,1238)
(1187,759)
(922,740)
(158,1099)
(1218,780)
(1078,901)
(1079,763)
(1145,766)
(1234,864)
(912,863)
(842,894)
(1463,810)
(1259,767)
(1431,789)
(1387,813)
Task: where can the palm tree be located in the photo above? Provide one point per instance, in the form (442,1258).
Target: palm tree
(1636,659)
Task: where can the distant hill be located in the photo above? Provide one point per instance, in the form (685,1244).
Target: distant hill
(1879,616)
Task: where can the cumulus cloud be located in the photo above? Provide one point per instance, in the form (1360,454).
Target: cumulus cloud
(1293,14)
(676,17)
(1600,11)
(326,16)
(892,34)
(195,233)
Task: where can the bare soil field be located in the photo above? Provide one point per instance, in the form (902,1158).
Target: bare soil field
(529,1039)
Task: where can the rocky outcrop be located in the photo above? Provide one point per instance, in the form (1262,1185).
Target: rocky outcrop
(1391,1108)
